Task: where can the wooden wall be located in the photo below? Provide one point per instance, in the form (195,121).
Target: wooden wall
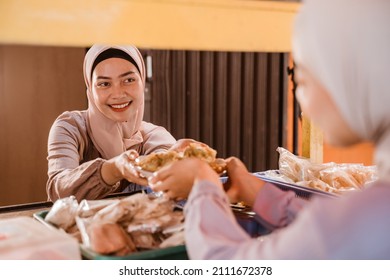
(233,101)
(36,85)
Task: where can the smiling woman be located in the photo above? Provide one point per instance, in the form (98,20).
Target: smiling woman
(116,88)
(89,152)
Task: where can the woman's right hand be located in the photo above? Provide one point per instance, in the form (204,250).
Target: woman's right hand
(122,167)
(241,185)
(178,178)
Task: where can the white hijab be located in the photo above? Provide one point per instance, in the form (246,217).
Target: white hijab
(109,137)
(346,45)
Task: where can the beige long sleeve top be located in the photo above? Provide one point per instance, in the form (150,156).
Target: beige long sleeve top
(74,163)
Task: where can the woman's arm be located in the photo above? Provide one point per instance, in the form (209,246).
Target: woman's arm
(67,145)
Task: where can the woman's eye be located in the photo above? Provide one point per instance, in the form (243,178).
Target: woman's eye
(129,80)
(103,84)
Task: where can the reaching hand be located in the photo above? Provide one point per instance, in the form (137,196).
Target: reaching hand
(177,179)
(241,185)
(125,164)
(122,167)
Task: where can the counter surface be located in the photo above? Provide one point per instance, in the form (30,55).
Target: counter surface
(23,209)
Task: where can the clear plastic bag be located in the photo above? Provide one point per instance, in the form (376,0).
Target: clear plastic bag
(63,212)
(329,177)
(121,226)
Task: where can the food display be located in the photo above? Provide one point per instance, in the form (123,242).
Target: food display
(155,161)
(328,177)
(119,227)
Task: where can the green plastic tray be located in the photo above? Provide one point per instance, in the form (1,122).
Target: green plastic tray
(171,253)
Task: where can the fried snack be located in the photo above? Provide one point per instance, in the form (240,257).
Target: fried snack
(206,154)
(200,151)
(155,161)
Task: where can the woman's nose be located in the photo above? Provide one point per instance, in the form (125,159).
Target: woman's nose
(118,91)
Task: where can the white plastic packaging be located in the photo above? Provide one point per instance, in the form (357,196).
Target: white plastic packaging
(23,238)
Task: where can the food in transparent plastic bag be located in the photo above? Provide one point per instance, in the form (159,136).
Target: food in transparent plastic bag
(329,177)
(63,212)
(110,238)
(120,226)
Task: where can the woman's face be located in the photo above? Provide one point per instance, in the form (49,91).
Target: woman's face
(117,89)
(317,104)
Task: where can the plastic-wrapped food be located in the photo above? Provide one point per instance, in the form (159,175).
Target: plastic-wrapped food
(175,239)
(339,177)
(121,226)
(315,184)
(147,241)
(299,168)
(276,175)
(328,177)
(89,208)
(110,238)
(23,238)
(63,212)
(109,214)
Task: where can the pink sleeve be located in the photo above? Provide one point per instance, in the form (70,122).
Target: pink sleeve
(277,208)
(325,229)
(212,232)
(206,239)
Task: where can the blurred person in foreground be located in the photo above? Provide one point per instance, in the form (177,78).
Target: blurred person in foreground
(341,49)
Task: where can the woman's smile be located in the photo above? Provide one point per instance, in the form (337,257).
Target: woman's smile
(120,107)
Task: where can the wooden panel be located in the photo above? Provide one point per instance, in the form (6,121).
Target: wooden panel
(247,108)
(36,85)
(177,93)
(234,104)
(274,103)
(221,111)
(207,97)
(159,94)
(260,149)
(193,94)
(232,101)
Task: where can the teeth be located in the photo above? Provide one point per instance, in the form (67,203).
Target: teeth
(120,106)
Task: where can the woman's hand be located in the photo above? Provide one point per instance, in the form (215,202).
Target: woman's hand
(122,167)
(241,185)
(177,179)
